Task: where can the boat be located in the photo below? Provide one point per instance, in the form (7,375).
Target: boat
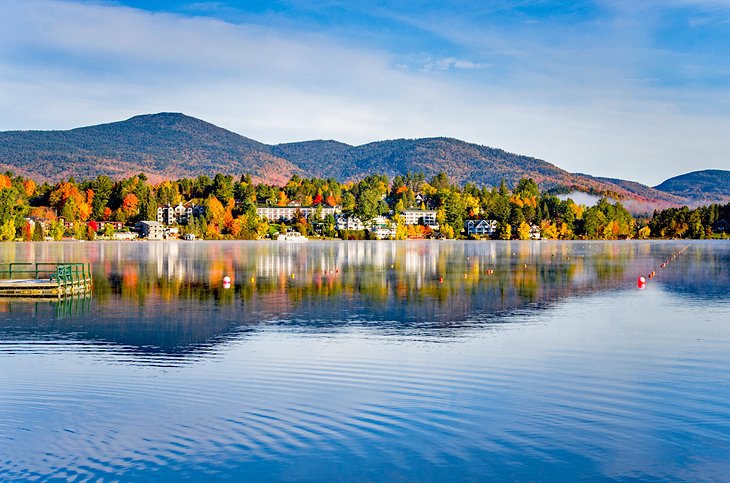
(292,236)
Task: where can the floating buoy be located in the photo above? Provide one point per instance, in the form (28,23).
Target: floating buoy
(226,279)
(441,279)
(253,279)
(464,275)
(292,275)
(641,282)
(226,285)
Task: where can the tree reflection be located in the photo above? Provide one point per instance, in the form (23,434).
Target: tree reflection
(170,297)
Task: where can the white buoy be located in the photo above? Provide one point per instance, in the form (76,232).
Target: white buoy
(226,279)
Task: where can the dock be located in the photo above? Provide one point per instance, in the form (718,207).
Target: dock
(45,279)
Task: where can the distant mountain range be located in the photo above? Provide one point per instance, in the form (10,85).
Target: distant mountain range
(172,145)
(702,187)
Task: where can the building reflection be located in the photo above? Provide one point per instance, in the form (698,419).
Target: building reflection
(170,297)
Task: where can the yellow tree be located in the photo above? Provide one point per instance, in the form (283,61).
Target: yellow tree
(7,230)
(29,187)
(523,231)
(217,211)
(548,230)
(565,233)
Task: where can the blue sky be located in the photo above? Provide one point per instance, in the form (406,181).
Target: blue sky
(634,90)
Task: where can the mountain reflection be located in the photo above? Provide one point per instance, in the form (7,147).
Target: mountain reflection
(169,298)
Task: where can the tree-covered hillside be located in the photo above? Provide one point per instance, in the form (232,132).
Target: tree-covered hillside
(171,146)
(163,146)
(700,186)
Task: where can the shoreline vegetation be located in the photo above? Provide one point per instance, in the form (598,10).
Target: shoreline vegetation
(223,208)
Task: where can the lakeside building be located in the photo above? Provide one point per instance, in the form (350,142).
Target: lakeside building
(152,230)
(425,201)
(44,223)
(383,232)
(535,232)
(381,227)
(101,224)
(67,224)
(348,222)
(181,214)
(421,217)
(287,213)
(124,235)
(480,227)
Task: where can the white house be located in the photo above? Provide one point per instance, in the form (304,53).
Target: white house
(348,222)
(534,232)
(383,232)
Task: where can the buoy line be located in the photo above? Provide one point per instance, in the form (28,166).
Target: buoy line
(641,281)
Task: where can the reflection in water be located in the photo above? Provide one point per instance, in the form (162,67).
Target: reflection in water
(431,361)
(169,297)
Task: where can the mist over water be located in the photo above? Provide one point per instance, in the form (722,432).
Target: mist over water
(371,361)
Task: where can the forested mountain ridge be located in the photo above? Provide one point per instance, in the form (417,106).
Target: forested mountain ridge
(163,146)
(703,187)
(173,145)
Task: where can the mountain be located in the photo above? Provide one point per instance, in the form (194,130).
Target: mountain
(166,145)
(173,145)
(701,187)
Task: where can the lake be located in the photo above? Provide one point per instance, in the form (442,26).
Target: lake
(371,361)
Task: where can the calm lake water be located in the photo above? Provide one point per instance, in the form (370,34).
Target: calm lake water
(371,361)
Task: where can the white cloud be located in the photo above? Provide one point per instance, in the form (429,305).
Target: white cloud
(449,63)
(65,64)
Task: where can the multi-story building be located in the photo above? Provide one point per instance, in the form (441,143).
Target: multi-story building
(287,213)
(180,214)
(348,222)
(421,217)
(152,230)
(101,224)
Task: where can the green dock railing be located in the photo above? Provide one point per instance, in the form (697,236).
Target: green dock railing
(69,277)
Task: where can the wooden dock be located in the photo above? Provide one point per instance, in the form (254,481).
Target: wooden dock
(43,279)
